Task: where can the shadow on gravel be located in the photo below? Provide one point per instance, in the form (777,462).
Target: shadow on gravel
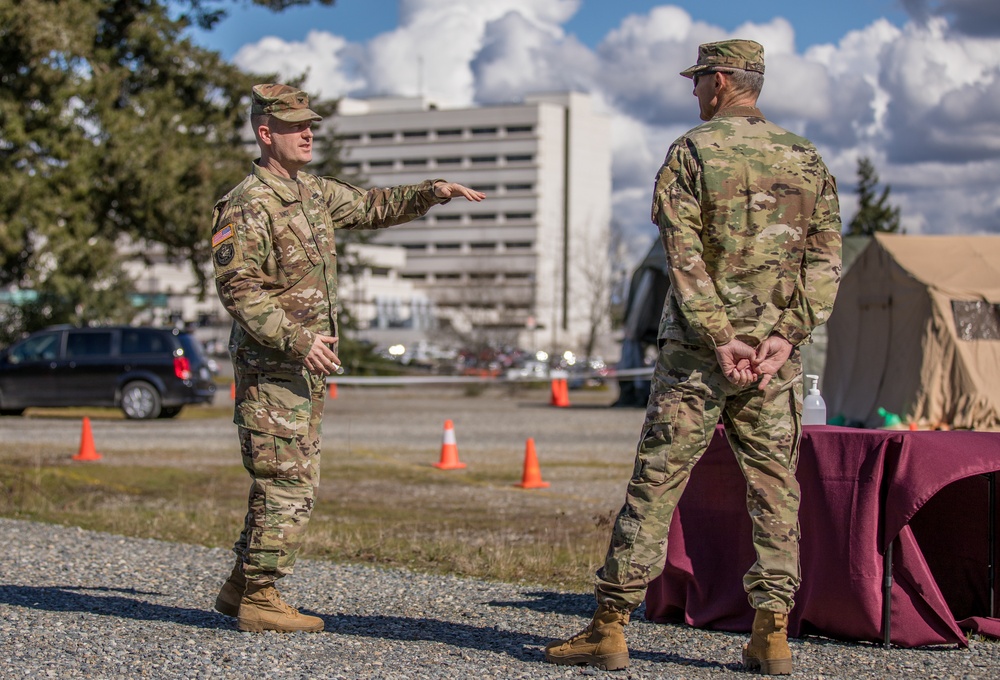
(522,646)
(554,603)
(678,660)
(126,605)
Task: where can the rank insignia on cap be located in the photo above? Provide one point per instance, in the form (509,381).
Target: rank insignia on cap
(221,235)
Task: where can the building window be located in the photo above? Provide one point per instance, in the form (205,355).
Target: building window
(519,187)
(446,277)
(414,246)
(414,162)
(520,158)
(349,138)
(483,131)
(352,167)
(483,187)
(381,136)
(451,132)
(414,134)
(379,164)
(518,216)
(520,129)
(447,246)
(483,217)
(518,245)
(448,218)
(414,277)
(483,160)
(517,276)
(483,245)
(380,272)
(449,161)
(482,276)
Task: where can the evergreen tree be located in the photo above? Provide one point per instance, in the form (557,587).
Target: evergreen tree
(114,129)
(874,213)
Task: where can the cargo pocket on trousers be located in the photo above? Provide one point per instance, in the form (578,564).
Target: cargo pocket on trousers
(659,431)
(286,423)
(268,434)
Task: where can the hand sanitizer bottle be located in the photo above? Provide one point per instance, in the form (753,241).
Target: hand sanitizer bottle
(814,408)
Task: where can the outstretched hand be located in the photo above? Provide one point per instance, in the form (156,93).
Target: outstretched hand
(453,189)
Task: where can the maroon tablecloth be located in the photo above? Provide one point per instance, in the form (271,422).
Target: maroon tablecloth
(860,489)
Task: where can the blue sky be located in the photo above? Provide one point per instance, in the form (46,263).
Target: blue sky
(360,20)
(913,85)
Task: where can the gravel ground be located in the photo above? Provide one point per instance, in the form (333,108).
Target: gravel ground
(78,604)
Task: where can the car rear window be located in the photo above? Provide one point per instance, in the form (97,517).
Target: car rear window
(192,346)
(89,344)
(146,341)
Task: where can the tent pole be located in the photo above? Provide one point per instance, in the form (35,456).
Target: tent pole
(887,596)
(991,527)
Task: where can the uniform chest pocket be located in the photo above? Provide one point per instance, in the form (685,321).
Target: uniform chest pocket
(295,248)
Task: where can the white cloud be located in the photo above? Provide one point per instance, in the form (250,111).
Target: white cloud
(328,61)
(923,102)
(519,57)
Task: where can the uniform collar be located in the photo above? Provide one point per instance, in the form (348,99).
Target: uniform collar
(275,183)
(739,111)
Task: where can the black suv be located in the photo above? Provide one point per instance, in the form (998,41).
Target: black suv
(148,372)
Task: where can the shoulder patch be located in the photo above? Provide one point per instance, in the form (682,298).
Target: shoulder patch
(225,254)
(222,234)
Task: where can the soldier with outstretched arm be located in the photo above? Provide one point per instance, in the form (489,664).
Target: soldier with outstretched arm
(749,219)
(276,273)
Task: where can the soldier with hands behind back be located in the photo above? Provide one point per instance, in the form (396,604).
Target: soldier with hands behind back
(749,218)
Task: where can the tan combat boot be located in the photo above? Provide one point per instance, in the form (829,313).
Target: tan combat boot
(768,647)
(228,601)
(600,644)
(262,609)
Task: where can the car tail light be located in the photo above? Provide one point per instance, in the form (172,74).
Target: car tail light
(182,368)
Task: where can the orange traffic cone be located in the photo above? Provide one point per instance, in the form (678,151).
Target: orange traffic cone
(333,390)
(560,393)
(87,451)
(532,477)
(449,449)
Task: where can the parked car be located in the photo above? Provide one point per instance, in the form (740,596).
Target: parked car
(147,372)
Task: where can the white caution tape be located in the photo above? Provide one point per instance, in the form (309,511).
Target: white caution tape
(613,374)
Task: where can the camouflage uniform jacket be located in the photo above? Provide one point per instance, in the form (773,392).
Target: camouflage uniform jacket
(276,261)
(750,222)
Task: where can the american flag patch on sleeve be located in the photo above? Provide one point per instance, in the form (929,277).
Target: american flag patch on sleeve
(221,235)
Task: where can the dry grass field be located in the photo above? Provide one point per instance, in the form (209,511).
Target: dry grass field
(381,500)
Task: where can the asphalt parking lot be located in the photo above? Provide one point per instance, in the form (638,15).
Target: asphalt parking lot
(399,422)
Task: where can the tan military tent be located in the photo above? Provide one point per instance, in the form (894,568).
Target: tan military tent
(916,331)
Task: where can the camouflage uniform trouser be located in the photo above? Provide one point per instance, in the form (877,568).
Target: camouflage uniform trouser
(279,418)
(689,395)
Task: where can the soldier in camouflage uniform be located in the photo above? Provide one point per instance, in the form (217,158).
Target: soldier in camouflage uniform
(276,273)
(749,219)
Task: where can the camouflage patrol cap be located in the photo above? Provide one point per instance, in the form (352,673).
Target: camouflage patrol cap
(283,102)
(728,55)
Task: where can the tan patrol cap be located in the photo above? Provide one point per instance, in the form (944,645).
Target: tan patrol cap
(745,55)
(283,102)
